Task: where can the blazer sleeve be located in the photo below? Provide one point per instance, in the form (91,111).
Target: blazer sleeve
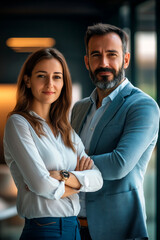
(137,141)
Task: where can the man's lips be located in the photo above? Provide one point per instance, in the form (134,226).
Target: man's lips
(105,73)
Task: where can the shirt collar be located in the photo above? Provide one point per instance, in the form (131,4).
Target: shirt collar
(111,96)
(36,115)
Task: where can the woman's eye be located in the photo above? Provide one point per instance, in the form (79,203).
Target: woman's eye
(57,77)
(41,76)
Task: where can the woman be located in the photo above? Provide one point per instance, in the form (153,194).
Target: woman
(41,150)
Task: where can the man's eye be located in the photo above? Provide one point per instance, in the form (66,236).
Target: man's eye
(112,54)
(96,55)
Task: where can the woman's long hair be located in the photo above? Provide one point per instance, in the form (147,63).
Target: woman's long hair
(59,111)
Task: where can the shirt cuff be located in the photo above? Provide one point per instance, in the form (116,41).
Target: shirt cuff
(60,191)
(83,179)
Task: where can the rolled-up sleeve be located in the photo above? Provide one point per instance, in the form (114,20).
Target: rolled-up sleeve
(91,180)
(20,149)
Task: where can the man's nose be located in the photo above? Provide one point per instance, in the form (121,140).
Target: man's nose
(104,61)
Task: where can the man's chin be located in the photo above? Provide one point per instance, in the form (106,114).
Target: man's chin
(107,85)
(107,77)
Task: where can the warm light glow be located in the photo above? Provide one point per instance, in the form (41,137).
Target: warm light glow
(7,103)
(7,96)
(29,44)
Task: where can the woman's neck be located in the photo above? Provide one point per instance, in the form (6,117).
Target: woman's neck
(42,111)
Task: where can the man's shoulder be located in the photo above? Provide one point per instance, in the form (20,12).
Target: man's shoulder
(138,99)
(143,96)
(80,108)
(82,102)
(139,95)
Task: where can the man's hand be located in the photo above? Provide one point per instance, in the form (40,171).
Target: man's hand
(85,163)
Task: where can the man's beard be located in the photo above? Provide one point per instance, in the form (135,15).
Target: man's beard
(104,83)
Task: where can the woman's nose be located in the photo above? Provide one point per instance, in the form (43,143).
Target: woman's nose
(49,81)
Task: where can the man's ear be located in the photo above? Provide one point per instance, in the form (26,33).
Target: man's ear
(86,60)
(126,60)
(27,81)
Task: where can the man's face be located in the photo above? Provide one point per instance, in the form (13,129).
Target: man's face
(105,60)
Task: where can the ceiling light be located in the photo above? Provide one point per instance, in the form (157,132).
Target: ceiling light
(29,44)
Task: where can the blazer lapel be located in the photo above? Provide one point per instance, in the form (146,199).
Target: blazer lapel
(108,115)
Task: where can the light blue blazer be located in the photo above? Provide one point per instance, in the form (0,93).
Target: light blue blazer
(121,148)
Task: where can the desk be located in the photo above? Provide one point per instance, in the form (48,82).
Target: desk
(7,209)
(8,193)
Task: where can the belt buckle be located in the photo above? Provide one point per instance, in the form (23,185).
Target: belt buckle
(83,222)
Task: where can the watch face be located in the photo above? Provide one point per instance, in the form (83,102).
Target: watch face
(65,175)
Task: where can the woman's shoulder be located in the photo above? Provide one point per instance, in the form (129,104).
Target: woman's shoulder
(16,119)
(16,116)
(16,124)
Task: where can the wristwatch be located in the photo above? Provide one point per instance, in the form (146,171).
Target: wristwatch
(64,174)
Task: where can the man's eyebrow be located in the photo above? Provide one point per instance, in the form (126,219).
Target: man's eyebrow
(112,51)
(107,51)
(93,52)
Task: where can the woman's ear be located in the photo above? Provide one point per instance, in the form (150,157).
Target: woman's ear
(27,81)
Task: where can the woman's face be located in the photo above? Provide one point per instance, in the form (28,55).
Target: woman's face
(46,81)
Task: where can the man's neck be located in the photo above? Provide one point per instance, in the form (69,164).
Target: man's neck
(104,93)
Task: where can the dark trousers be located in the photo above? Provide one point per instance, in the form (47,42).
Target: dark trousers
(85,235)
(55,228)
(84,232)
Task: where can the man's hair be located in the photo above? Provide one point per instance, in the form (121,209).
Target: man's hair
(103,29)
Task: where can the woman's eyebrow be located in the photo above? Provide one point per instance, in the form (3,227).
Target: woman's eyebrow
(58,73)
(41,71)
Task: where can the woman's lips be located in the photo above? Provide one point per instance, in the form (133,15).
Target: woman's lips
(48,92)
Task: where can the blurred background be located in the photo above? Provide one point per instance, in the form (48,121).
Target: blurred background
(28,25)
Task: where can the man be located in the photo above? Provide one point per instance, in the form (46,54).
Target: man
(119,125)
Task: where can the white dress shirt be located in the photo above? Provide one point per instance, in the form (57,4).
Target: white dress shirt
(30,158)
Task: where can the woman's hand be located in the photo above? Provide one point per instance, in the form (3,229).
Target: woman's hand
(55,174)
(71,182)
(85,163)
(69,191)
